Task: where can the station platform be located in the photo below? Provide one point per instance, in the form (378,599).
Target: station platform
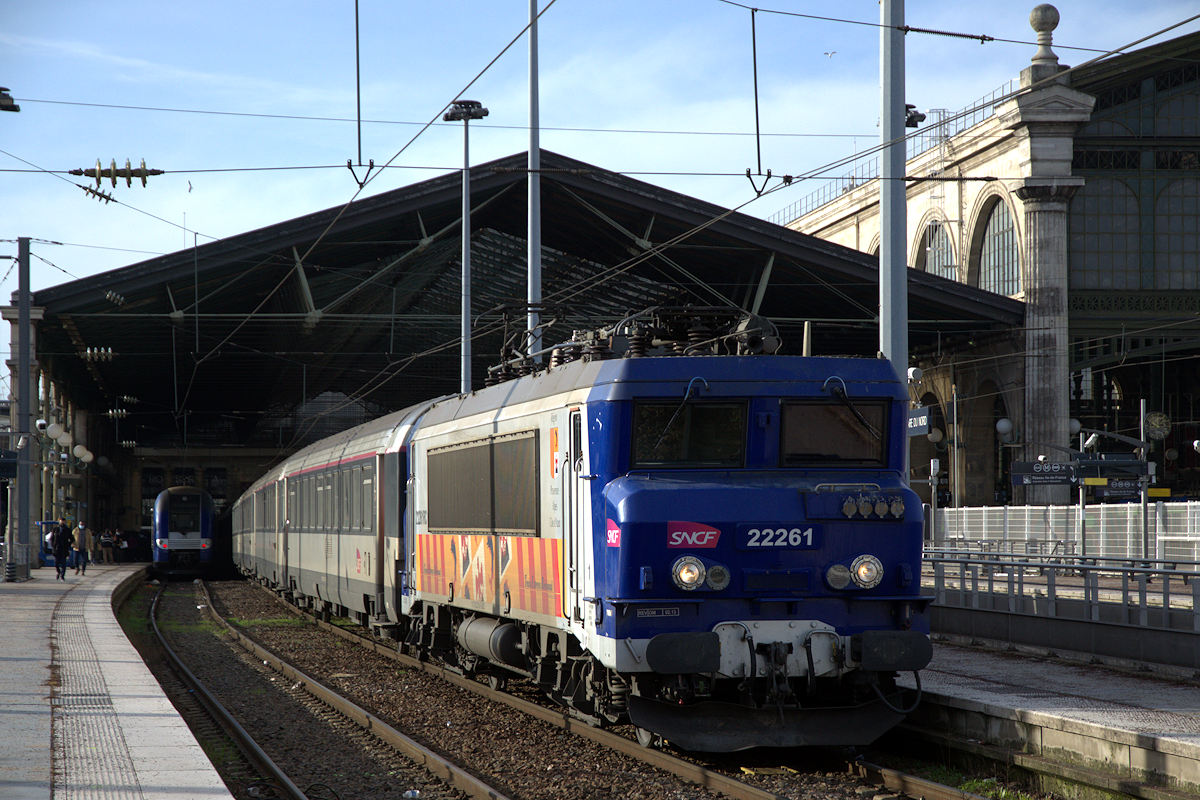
(81,717)
(1135,732)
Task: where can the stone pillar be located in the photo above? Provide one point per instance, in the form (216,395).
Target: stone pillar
(1047,368)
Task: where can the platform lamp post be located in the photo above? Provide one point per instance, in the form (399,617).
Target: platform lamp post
(466,110)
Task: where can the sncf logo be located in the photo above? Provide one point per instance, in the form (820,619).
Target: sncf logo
(691,535)
(612,534)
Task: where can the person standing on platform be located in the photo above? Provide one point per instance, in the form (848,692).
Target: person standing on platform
(60,544)
(106,545)
(83,547)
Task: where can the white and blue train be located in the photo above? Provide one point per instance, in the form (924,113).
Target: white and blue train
(719,549)
(183,540)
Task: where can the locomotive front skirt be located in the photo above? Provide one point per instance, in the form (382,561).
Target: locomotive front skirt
(721,550)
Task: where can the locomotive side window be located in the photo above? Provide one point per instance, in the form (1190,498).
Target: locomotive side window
(671,434)
(823,432)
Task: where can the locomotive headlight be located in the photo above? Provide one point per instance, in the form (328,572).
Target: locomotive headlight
(161,544)
(881,507)
(838,576)
(865,506)
(718,577)
(688,572)
(205,544)
(867,572)
(897,507)
(849,507)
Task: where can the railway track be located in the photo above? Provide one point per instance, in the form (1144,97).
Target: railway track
(757,781)
(246,766)
(269,721)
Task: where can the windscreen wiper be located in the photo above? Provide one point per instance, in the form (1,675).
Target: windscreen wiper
(686,395)
(838,390)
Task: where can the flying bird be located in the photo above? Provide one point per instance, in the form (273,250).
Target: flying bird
(830,53)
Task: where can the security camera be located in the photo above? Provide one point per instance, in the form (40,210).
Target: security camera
(1042,458)
(42,424)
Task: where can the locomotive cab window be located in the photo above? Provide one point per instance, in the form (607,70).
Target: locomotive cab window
(668,433)
(853,432)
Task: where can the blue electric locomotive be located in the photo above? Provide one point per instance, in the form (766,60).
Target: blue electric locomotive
(182,533)
(720,549)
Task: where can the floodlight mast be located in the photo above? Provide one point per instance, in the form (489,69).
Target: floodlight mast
(466,110)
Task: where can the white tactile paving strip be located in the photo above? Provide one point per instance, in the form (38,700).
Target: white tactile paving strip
(91,759)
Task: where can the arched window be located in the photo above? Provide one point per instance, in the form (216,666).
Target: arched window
(999,267)
(936,254)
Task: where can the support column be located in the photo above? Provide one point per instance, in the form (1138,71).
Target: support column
(1047,366)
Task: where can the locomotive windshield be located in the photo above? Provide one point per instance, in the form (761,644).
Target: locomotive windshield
(671,434)
(844,432)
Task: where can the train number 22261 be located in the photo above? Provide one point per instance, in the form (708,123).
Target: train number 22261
(778,537)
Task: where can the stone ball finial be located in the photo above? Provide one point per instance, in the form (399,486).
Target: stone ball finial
(1044,19)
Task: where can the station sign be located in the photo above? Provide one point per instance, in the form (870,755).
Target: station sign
(918,421)
(1043,473)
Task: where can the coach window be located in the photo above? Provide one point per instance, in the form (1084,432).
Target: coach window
(368,497)
(854,432)
(687,434)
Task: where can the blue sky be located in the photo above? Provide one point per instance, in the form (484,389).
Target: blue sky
(660,89)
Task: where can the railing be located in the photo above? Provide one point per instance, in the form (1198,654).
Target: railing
(867,168)
(1022,592)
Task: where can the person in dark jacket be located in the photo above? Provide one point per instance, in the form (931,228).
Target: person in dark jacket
(61,542)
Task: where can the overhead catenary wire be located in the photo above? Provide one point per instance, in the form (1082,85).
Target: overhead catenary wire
(151,215)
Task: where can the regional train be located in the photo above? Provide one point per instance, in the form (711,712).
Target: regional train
(713,544)
(182,537)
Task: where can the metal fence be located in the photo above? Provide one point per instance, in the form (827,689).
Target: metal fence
(1168,531)
(1013,592)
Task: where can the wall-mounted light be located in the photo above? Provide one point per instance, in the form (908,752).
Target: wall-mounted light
(935,435)
(95,354)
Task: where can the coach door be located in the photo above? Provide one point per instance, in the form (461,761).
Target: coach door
(575,488)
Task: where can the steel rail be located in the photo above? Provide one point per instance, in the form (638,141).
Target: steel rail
(241,738)
(910,785)
(446,770)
